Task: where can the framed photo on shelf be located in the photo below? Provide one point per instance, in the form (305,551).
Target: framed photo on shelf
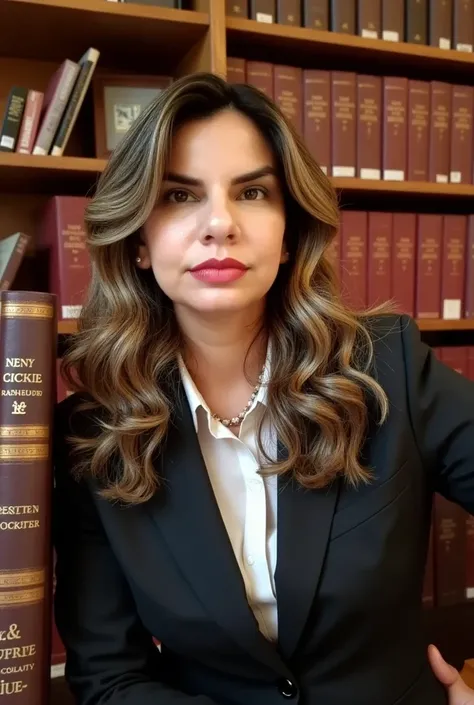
(118,101)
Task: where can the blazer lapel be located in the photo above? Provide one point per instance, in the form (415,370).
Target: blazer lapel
(304,524)
(188,517)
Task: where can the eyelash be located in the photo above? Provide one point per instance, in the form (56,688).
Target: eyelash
(168,194)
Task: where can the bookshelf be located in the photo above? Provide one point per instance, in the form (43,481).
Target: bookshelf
(36,35)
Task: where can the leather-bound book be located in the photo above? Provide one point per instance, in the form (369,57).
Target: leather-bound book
(450,544)
(288,93)
(461,150)
(343,16)
(289,12)
(428,269)
(237,8)
(369,18)
(316,14)
(395,128)
(343,123)
(317,118)
(354,258)
(469,289)
(28,333)
(61,235)
(441,23)
(236,70)
(453,266)
(260,75)
(463,25)
(263,10)
(379,271)
(418,130)
(440,132)
(416,18)
(12,251)
(393,20)
(369,127)
(404,262)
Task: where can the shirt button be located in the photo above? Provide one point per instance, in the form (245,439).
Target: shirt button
(250,560)
(287,688)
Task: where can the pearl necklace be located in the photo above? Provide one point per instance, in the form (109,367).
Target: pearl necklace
(237,420)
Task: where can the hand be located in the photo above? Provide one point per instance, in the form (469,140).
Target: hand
(459,693)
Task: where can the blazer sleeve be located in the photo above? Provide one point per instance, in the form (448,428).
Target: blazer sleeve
(441,407)
(111,658)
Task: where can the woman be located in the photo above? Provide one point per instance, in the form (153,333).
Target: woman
(246,469)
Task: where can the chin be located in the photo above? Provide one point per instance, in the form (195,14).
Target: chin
(223,302)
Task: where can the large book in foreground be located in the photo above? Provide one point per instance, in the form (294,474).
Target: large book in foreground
(27,368)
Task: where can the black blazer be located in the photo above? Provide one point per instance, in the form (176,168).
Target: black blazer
(349,575)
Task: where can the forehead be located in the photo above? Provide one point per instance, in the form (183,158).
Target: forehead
(225,143)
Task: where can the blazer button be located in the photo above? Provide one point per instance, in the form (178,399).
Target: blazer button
(287,688)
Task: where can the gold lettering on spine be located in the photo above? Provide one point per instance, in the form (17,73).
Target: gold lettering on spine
(25,452)
(24,432)
(14,598)
(26,309)
(21,578)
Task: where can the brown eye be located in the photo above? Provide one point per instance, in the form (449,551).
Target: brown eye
(179,195)
(253,194)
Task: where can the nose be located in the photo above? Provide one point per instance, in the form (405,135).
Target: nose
(220,225)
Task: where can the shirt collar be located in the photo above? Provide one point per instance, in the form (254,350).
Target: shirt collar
(196,400)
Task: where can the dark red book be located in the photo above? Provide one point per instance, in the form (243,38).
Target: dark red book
(418,130)
(470,362)
(404,262)
(288,93)
(354,258)
(260,75)
(463,25)
(317,118)
(344,123)
(469,291)
(456,357)
(395,124)
(369,127)
(453,266)
(461,152)
(469,554)
(236,72)
(440,132)
(379,271)
(428,270)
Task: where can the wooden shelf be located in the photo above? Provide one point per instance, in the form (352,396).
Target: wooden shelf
(63,175)
(308,46)
(129,36)
(67,327)
(405,188)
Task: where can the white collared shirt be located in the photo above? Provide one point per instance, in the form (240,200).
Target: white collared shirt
(247,501)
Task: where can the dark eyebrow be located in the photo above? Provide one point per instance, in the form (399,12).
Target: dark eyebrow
(242,179)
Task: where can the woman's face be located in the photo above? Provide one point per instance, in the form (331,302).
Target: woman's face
(215,238)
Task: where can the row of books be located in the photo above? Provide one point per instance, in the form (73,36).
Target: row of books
(447,24)
(372,127)
(37,122)
(424,262)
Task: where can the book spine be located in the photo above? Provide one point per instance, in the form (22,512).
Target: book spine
(441,23)
(428,582)
(369,18)
(404,262)
(379,272)
(461,150)
(316,14)
(428,271)
(470,374)
(418,130)
(260,75)
(470,541)
(395,104)
(450,546)
(289,12)
(453,266)
(55,109)
(28,351)
(393,20)
(354,258)
(343,16)
(237,8)
(416,21)
(11,123)
(469,290)
(263,10)
(463,25)
(333,254)
(8,275)
(440,132)
(30,122)
(317,119)
(343,124)
(288,93)
(236,70)
(369,127)
(456,357)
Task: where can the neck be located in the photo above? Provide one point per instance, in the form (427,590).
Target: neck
(224,347)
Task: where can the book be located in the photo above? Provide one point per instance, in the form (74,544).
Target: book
(379,254)
(27,355)
(463,25)
(343,16)
(393,20)
(354,258)
(449,542)
(461,148)
(12,251)
(236,70)
(288,12)
(343,123)
(369,18)
(11,123)
(55,100)
(395,124)
(440,23)
(416,19)
(288,93)
(260,75)
(237,8)
(317,118)
(453,266)
(263,10)
(30,122)
(369,127)
(316,14)
(404,262)
(440,132)
(428,267)
(418,130)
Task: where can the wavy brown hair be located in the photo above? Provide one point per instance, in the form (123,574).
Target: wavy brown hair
(125,350)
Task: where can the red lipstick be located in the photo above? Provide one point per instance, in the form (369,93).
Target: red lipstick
(219,271)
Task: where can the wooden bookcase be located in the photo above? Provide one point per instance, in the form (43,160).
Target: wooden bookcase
(36,35)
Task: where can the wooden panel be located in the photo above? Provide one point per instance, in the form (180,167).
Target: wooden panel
(24,173)
(129,36)
(306,47)
(209,53)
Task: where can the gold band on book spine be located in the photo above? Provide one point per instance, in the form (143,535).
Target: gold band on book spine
(16,453)
(22,578)
(24,432)
(26,309)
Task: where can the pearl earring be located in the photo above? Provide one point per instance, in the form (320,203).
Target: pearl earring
(138,260)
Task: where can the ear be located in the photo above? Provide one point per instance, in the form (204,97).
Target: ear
(142,257)
(285,255)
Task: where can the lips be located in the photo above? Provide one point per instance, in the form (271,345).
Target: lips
(219,271)
(227,263)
